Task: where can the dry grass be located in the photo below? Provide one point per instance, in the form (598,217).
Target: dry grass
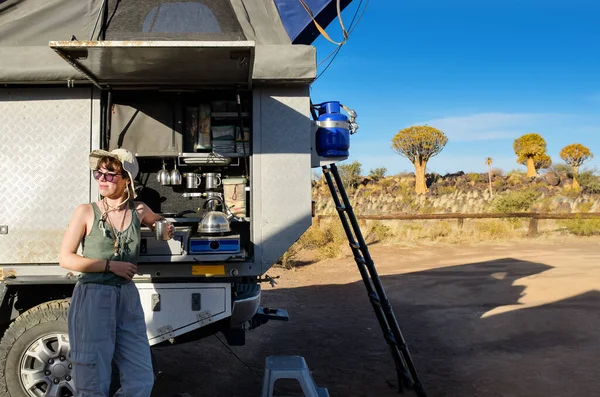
(328,240)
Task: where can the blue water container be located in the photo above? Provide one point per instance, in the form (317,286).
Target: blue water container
(333,135)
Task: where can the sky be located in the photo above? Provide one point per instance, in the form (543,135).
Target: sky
(484,72)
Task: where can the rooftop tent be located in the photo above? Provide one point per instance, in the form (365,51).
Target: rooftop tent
(298,23)
(28,26)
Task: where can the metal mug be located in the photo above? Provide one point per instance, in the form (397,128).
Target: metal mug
(212,180)
(161,227)
(192,180)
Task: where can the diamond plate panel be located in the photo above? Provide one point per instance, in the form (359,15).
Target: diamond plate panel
(46,137)
(281,187)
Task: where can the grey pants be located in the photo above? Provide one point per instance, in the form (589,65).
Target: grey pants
(107,322)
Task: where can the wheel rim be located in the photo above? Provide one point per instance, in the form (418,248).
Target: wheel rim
(45,369)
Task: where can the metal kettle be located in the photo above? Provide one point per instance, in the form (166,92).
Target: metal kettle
(214,221)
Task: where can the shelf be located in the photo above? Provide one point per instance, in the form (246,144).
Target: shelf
(227,115)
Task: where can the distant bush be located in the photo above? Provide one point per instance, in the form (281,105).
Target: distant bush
(516,172)
(582,227)
(440,229)
(377,173)
(473,177)
(519,201)
(378,232)
(589,182)
(562,169)
(313,238)
(446,189)
(571,192)
(350,174)
(493,229)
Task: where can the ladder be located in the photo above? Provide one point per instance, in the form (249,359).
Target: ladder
(406,371)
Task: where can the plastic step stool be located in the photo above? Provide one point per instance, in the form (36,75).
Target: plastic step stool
(290,367)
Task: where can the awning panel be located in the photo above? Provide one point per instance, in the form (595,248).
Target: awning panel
(160,63)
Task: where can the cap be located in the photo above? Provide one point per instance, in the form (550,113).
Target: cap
(130,164)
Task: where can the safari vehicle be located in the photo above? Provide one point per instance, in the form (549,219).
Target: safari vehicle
(212,97)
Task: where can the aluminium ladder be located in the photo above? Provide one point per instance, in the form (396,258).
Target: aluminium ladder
(407,373)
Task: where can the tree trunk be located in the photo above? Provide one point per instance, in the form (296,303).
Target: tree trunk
(531,167)
(575,175)
(420,183)
(490,179)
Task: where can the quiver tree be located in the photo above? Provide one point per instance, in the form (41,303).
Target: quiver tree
(489,162)
(531,151)
(418,144)
(575,155)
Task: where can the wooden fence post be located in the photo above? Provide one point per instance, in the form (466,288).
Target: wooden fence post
(533,226)
(461,221)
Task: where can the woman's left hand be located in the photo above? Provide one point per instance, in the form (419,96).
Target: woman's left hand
(171,230)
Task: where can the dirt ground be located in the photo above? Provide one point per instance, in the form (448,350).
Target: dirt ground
(513,319)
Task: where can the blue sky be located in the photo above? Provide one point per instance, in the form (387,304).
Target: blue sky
(483,72)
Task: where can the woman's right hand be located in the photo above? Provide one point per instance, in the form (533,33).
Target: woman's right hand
(124,269)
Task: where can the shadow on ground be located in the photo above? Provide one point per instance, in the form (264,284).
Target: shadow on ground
(539,351)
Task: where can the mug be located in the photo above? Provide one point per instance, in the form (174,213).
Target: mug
(192,180)
(212,180)
(161,227)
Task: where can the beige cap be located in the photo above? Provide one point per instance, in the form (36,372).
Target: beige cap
(130,163)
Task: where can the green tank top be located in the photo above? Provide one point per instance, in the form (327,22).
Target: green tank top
(99,244)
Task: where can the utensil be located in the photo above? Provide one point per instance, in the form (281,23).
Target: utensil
(175,175)
(214,221)
(163,175)
(192,180)
(161,227)
(212,180)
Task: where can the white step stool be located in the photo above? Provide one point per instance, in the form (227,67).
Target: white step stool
(290,367)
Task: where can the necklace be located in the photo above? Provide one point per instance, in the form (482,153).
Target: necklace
(116,234)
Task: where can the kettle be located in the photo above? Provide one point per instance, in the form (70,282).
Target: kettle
(214,221)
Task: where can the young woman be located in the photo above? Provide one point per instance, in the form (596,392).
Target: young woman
(106,320)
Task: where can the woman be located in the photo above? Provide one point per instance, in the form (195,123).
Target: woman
(106,320)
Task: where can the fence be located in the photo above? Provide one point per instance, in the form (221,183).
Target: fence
(534,217)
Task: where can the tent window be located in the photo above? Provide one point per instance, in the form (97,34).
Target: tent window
(181,17)
(199,20)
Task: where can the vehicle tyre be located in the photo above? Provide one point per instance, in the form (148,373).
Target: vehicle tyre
(34,353)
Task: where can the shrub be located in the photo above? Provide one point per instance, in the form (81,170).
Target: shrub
(288,259)
(519,201)
(493,229)
(582,227)
(585,207)
(377,173)
(571,193)
(473,177)
(332,250)
(446,190)
(378,232)
(516,172)
(350,174)
(562,169)
(440,229)
(589,182)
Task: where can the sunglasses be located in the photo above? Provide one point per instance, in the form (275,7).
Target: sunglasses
(107,177)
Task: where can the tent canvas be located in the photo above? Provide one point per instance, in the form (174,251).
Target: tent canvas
(27,27)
